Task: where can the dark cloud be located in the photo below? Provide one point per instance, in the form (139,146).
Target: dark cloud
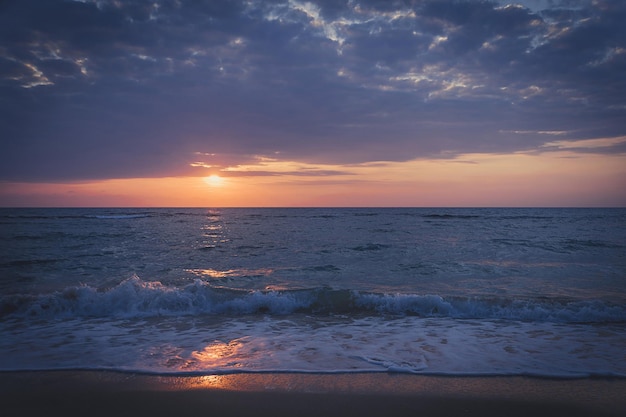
(477,24)
(332,9)
(101,89)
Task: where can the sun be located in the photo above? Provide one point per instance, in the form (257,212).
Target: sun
(214,180)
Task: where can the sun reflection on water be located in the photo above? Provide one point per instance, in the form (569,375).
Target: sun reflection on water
(219,353)
(222,382)
(214,273)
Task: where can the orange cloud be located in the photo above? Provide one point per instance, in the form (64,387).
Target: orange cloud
(551,179)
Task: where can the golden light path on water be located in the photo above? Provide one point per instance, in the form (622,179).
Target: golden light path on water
(241,272)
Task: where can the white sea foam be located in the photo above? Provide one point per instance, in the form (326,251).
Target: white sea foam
(135,298)
(442,346)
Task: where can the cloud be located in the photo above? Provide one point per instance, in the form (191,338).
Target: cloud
(609,146)
(106,89)
(261,166)
(303,173)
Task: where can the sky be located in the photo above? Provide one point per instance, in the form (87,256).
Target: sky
(216,103)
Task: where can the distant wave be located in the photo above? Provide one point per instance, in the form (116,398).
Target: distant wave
(135,297)
(115,214)
(120,216)
(451,216)
(77,216)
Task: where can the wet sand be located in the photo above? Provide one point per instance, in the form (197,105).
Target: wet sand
(96,393)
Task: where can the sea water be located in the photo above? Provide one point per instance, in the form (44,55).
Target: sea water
(213,291)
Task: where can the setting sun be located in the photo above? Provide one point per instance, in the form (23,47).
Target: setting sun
(214,180)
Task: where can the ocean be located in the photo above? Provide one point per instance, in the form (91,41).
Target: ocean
(433,291)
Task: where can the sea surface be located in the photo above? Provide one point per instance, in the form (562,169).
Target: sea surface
(538,292)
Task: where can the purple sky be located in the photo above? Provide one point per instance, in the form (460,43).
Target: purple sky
(102,89)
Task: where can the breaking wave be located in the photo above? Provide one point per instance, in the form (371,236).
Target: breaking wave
(135,297)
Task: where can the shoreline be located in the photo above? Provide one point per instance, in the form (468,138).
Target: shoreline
(69,393)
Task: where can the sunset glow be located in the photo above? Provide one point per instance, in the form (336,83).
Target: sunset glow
(446,103)
(555,179)
(214,180)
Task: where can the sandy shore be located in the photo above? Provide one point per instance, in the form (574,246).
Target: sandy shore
(89,393)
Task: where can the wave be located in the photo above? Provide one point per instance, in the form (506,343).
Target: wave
(28,262)
(137,298)
(113,214)
(77,216)
(120,216)
(451,216)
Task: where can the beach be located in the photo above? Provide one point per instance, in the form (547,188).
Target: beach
(100,393)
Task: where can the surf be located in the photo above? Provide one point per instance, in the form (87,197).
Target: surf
(135,297)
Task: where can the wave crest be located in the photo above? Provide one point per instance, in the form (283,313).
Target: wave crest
(135,297)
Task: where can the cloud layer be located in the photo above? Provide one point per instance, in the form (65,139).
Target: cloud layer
(96,89)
